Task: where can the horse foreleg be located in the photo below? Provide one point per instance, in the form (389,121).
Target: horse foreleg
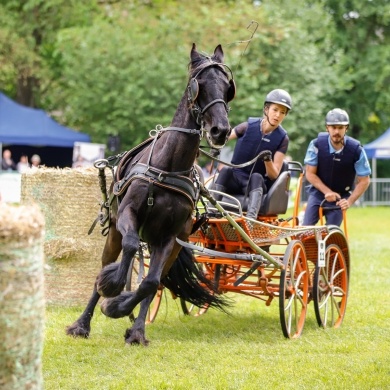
(82,326)
(112,278)
(123,304)
(136,334)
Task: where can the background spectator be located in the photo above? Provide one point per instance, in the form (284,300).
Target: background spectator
(7,164)
(23,164)
(35,161)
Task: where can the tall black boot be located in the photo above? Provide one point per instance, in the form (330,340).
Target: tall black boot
(217,187)
(254,203)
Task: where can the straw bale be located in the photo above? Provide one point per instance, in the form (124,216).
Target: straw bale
(21,297)
(70,201)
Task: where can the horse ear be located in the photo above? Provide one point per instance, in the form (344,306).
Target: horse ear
(194,53)
(218,54)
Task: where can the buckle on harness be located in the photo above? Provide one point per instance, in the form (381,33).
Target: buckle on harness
(150,201)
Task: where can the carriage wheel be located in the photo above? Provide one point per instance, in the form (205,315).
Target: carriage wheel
(132,284)
(190,309)
(330,288)
(294,289)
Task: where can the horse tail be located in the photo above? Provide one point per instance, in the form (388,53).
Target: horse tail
(187,281)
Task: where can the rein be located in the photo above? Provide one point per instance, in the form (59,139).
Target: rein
(230,164)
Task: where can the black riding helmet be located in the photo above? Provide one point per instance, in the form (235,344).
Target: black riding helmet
(279,96)
(337,116)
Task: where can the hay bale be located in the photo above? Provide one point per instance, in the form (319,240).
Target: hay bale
(21,297)
(70,201)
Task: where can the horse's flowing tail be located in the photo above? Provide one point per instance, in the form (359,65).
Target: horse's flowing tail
(188,282)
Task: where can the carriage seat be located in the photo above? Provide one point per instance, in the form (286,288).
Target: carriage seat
(274,202)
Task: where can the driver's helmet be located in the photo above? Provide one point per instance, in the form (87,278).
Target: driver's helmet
(279,96)
(337,116)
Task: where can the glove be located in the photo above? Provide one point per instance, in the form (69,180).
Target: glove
(265,155)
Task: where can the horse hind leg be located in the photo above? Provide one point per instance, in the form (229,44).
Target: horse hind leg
(82,326)
(112,278)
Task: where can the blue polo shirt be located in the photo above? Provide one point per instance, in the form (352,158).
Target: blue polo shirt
(362,166)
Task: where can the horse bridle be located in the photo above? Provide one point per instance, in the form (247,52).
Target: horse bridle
(196,111)
(193,91)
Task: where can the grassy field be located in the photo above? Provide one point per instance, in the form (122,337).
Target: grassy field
(244,350)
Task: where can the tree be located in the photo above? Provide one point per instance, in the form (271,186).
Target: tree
(27,36)
(362,31)
(118,67)
(126,76)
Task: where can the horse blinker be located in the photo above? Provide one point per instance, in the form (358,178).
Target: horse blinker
(231,93)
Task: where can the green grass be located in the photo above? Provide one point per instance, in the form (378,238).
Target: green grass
(244,350)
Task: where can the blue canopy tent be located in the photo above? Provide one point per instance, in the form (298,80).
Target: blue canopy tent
(23,128)
(378,149)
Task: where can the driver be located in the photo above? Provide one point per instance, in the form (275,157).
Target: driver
(333,160)
(257,135)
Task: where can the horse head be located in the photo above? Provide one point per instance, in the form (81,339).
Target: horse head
(210,88)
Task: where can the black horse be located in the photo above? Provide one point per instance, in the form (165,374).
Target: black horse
(157,190)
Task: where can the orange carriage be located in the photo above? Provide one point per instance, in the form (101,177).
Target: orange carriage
(275,258)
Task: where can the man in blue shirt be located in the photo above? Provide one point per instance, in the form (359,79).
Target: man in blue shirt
(337,169)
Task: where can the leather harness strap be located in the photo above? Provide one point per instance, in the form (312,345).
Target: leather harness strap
(181,184)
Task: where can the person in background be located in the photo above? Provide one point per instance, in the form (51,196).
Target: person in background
(258,136)
(23,164)
(35,161)
(206,170)
(333,162)
(7,164)
(79,162)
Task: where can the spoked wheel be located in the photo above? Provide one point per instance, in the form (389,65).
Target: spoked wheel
(294,290)
(190,309)
(137,272)
(330,288)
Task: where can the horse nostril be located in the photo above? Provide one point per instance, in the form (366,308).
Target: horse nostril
(219,134)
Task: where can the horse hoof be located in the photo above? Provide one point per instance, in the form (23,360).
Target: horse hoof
(115,307)
(77,330)
(107,284)
(135,337)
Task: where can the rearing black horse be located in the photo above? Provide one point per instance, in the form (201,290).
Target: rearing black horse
(157,192)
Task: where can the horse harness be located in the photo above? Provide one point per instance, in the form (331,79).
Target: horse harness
(188,186)
(175,181)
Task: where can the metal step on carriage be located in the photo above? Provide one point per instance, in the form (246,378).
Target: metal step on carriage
(269,259)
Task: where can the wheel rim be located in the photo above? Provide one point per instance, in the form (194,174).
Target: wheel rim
(330,289)
(294,287)
(190,309)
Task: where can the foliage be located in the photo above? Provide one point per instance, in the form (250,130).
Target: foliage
(244,350)
(27,43)
(362,32)
(119,67)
